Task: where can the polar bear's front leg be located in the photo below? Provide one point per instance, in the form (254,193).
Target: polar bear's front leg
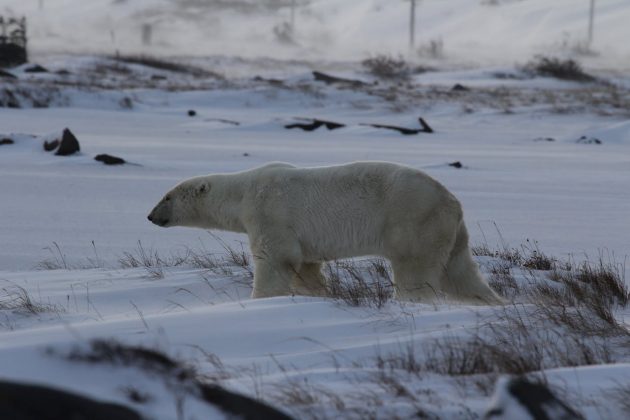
(271,278)
(277,258)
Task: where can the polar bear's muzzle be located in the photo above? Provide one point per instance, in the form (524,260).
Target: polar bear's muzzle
(159,222)
(156,219)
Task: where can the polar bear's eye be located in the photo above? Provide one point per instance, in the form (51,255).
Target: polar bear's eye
(167,199)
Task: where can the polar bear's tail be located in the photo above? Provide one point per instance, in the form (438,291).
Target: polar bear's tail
(464,281)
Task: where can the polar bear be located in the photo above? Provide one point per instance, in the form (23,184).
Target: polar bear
(297,218)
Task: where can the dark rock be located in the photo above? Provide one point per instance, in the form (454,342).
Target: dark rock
(224,121)
(192,112)
(158,77)
(457,164)
(12,54)
(425,127)
(63,72)
(404,130)
(240,406)
(534,398)
(549,139)
(315,124)
(459,88)
(176,373)
(328,79)
(35,68)
(21,401)
(109,159)
(69,144)
(245,154)
(6,141)
(49,146)
(273,82)
(6,74)
(126,102)
(589,140)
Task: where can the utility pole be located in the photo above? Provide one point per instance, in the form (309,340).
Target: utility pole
(591,18)
(293,16)
(412,25)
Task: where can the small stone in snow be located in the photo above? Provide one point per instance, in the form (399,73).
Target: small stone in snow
(35,68)
(109,159)
(49,146)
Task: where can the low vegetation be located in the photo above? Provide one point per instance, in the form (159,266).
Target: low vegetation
(387,67)
(567,69)
(365,283)
(15,298)
(561,314)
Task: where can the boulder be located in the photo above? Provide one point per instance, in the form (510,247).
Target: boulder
(68,145)
(520,398)
(21,401)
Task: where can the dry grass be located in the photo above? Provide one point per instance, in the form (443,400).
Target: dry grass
(56,261)
(367,283)
(585,297)
(155,263)
(555,67)
(387,67)
(16,298)
(566,318)
(521,341)
(149,258)
(621,395)
(297,393)
(502,281)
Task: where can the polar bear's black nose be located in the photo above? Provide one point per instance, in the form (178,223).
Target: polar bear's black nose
(150,218)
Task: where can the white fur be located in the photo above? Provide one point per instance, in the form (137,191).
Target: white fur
(297,218)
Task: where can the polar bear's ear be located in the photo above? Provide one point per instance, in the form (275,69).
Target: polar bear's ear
(203,188)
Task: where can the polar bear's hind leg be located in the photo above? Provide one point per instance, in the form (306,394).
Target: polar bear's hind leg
(463,280)
(415,281)
(420,267)
(309,281)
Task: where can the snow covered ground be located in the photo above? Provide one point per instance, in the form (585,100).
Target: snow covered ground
(546,164)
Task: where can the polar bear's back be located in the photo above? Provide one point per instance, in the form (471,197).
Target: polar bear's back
(344,210)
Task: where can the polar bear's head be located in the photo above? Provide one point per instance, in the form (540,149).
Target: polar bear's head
(183,205)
